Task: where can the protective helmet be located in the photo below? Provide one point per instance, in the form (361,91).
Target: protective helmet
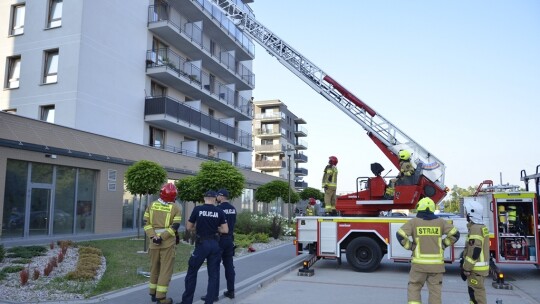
(404,155)
(474,211)
(425,204)
(168,193)
(312,201)
(332,160)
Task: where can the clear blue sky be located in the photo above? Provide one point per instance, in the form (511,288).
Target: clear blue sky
(462,78)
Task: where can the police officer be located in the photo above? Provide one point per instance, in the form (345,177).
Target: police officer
(162,219)
(427,245)
(475,263)
(208,221)
(226,242)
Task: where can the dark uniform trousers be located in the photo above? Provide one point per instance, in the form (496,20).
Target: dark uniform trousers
(207,249)
(226,244)
(161,269)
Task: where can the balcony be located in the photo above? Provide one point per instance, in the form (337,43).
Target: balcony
(269,164)
(217,25)
(265,133)
(300,131)
(268,148)
(300,145)
(175,71)
(300,171)
(300,185)
(190,39)
(174,115)
(300,158)
(267,117)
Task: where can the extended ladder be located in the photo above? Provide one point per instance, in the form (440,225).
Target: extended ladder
(386,135)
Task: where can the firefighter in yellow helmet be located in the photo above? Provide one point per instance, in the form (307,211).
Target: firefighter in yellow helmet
(475,261)
(329,184)
(162,219)
(424,236)
(406,169)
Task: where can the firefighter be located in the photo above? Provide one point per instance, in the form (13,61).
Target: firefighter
(226,243)
(208,221)
(406,169)
(427,247)
(310,208)
(475,261)
(329,184)
(162,219)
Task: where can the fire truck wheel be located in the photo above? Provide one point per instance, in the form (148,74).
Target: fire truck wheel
(364,254)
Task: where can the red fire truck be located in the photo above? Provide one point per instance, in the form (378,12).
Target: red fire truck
(358,232)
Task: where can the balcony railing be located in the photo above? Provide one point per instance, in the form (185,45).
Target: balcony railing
(300,158)
(300,185)
(267,132)
(301,171)
(300,131)
(158,13)
(269,116)
(268,148)
(199,155)
(269,164)
(301,144)
(189,72)
(196,119)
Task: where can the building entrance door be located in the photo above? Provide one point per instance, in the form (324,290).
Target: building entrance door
(40,210)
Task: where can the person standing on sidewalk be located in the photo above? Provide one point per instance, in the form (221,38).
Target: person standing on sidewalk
(226,242)
(427,245)
(162,219)
(208,221)
(329,184)
(475,263)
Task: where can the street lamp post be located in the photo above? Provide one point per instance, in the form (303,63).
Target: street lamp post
(289,178)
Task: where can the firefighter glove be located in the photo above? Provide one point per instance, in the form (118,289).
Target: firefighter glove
(157,240)
(463,276)
(177,236)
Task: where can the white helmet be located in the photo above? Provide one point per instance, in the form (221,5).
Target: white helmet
(474,211)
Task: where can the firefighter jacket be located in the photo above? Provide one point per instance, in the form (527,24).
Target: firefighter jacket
(161,219)
(427,243)
(476,252)
(330,177)
(405,168)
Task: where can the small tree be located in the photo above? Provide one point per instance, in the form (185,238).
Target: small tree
(218,175)
(144,177)
(311,192)
(276,189)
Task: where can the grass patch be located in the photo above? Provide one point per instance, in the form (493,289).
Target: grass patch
(69,286)
(21,261)
(26,252)
(123,261)
(12,269)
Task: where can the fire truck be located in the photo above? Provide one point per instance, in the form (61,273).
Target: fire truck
(359,232)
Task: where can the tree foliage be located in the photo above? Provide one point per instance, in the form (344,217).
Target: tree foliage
(274,190)
(145,177)
(452,204)
(213,175)
(311,192)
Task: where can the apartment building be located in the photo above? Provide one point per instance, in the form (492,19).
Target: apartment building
(279,142)
(171,77)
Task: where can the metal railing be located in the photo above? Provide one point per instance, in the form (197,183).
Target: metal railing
(269,164)
(187,71)
(301,171)
(195,154)
(300,157)
(196,119)
(268,148)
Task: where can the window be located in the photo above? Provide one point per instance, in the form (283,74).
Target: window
(50,73)
(212,151)
(14,71)
(47,113)
(17,19)
(157,90)
(54,18)
(157,138)
(12,111)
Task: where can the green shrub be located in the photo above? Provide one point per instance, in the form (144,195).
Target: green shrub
(12,269)
(261,238)
(26,252)
(243,240)
(247,222)
(21,261)
(90,250)
(88,264)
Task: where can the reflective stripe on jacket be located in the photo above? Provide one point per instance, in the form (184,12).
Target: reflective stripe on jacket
(330,176)
(476,252)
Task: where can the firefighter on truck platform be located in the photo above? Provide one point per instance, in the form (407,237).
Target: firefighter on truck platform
(162,218)
(427,247)
(475,260)
(329,184)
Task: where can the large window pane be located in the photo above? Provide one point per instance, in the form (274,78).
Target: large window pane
(64,204)
(55,13)
(14,72)
(14,198)
(85,201)
(17,20)
(51,67)
(42,173)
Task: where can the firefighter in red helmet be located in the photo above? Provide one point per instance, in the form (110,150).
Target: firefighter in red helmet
(329,184)
(162,219)
(310,208)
